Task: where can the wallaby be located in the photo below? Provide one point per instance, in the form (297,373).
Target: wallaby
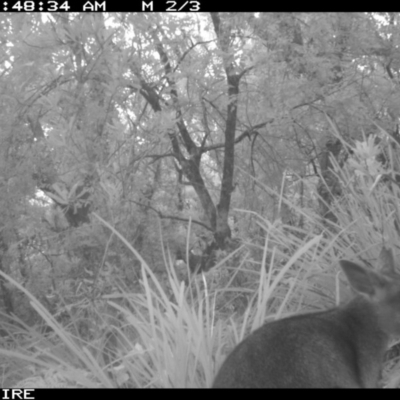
(341,347)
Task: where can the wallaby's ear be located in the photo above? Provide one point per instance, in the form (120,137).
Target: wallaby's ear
(386,261)
(361,279)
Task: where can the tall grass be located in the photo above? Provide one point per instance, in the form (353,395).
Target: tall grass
(173,334)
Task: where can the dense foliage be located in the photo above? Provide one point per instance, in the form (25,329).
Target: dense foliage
(243,144)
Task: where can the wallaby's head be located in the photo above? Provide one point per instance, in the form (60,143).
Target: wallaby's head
(341,347)
(380,288)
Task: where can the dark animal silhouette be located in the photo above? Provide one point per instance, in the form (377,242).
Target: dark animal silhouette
(341,347)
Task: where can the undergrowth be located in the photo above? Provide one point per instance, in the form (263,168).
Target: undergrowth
(175,333)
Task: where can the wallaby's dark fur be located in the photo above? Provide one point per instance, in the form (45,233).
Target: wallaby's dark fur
(342,347)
